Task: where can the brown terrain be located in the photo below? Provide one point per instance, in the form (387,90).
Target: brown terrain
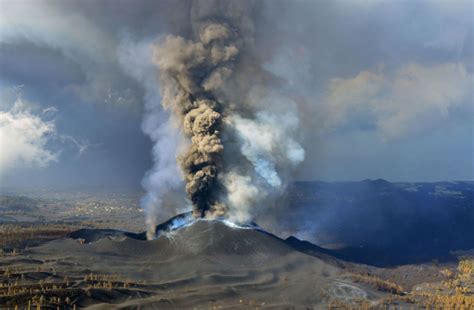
(211,265)
(63,251)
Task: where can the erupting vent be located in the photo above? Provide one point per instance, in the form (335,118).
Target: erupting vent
(238,128)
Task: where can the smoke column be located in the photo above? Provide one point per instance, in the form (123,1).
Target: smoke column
(239,128)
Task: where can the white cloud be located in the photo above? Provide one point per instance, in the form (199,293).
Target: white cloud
(24,139)
(412,100)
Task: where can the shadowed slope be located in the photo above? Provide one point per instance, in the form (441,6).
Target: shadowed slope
(208,263)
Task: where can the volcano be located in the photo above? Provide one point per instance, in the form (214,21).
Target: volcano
(198,263)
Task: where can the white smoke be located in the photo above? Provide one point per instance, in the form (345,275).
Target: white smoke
(164,176)
(242,196)
(268,142)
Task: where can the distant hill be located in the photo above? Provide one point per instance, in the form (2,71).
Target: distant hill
(378,222)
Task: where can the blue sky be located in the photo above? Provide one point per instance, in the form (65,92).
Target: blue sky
(384,89)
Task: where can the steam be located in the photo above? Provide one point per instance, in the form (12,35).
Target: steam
(239,129)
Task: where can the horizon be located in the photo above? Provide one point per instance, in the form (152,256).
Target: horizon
(140,189)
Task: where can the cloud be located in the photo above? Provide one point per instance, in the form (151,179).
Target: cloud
(29,137)
(71,53)
(24,138)
(65,47)
(43,23)
(82,146)
(413,99)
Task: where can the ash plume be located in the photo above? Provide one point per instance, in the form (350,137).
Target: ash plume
(239,129)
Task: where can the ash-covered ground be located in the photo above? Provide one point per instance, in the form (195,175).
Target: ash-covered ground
(99,258)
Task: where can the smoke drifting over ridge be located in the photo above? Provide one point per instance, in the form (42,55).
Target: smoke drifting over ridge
(239,145)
